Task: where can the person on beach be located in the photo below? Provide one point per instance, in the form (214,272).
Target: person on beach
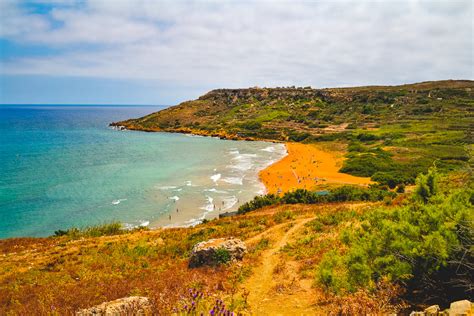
(170,216)
(177,210)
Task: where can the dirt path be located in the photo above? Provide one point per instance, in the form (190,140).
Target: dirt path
(266,298)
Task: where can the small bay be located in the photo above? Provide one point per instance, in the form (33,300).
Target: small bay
(62,166)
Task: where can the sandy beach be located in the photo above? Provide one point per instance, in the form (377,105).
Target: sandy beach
(307,166)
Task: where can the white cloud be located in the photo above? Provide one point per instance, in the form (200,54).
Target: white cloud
(238,44)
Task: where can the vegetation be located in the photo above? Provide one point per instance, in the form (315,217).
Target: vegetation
(368,258)
(340,194)
(393,133)
(425,245)
(59,275)
(108,229)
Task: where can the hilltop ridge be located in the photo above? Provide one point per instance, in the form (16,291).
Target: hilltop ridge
(387,133)
(300,113)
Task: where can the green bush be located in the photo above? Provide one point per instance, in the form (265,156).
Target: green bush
(367,164)
(425,246)
(109,229)
(221,256)
(251,125)
(302,196)
(258,202)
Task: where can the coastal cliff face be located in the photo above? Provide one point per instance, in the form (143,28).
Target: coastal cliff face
(296,114)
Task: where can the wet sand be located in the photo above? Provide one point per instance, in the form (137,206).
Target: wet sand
(307,166)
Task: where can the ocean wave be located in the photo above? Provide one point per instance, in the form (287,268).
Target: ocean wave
(116,202)
(216,177)
(167,187)
(175,198)
(215,190)
(188,183)
(229,202)
(209,207)
(269,149)
(234,180)
(243,162)
(141,223)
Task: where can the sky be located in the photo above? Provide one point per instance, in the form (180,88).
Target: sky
(166,52)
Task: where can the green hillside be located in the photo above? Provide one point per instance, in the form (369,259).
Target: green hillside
(392,133)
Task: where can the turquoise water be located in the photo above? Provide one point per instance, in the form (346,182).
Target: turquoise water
(62,166)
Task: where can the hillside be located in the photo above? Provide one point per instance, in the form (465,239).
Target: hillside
(63,274)
(296,114)
(402,240)
(307,259)
(388,133)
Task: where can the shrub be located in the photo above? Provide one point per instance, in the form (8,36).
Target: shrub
(258,202)
(427,185)
(391,179)
(367,164)
(283,215)
(424,246)
(302,196)
(221,256)
(401,188)
(114,228)
(251,125)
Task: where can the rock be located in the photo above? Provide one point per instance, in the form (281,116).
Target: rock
(132,305)
(216,251)
(432,310)
(417,313)
(460,308)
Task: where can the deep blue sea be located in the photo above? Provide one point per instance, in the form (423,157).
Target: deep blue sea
(62,166)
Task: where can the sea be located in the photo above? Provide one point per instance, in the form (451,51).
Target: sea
(62,166)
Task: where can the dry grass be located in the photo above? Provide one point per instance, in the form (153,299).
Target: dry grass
(61,275)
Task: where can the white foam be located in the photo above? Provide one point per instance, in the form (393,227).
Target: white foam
(216,177)
(215,190)
(234,180)
(116,202)
(209,207)
(243,162)
(269,149)
(175,198)
(229,202)
(188,183)
(167,187)
(141,223)
(193,135)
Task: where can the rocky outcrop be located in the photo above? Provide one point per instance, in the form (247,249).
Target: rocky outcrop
(217,251)
(463,307)
(133,305)
(458,308)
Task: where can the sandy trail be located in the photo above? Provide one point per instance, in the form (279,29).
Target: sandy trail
(263,298)
(307,166)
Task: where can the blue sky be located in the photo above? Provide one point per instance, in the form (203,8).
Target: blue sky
(165,52)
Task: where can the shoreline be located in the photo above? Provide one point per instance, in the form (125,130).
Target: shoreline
(120,126)
(307,166)
(221,199)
